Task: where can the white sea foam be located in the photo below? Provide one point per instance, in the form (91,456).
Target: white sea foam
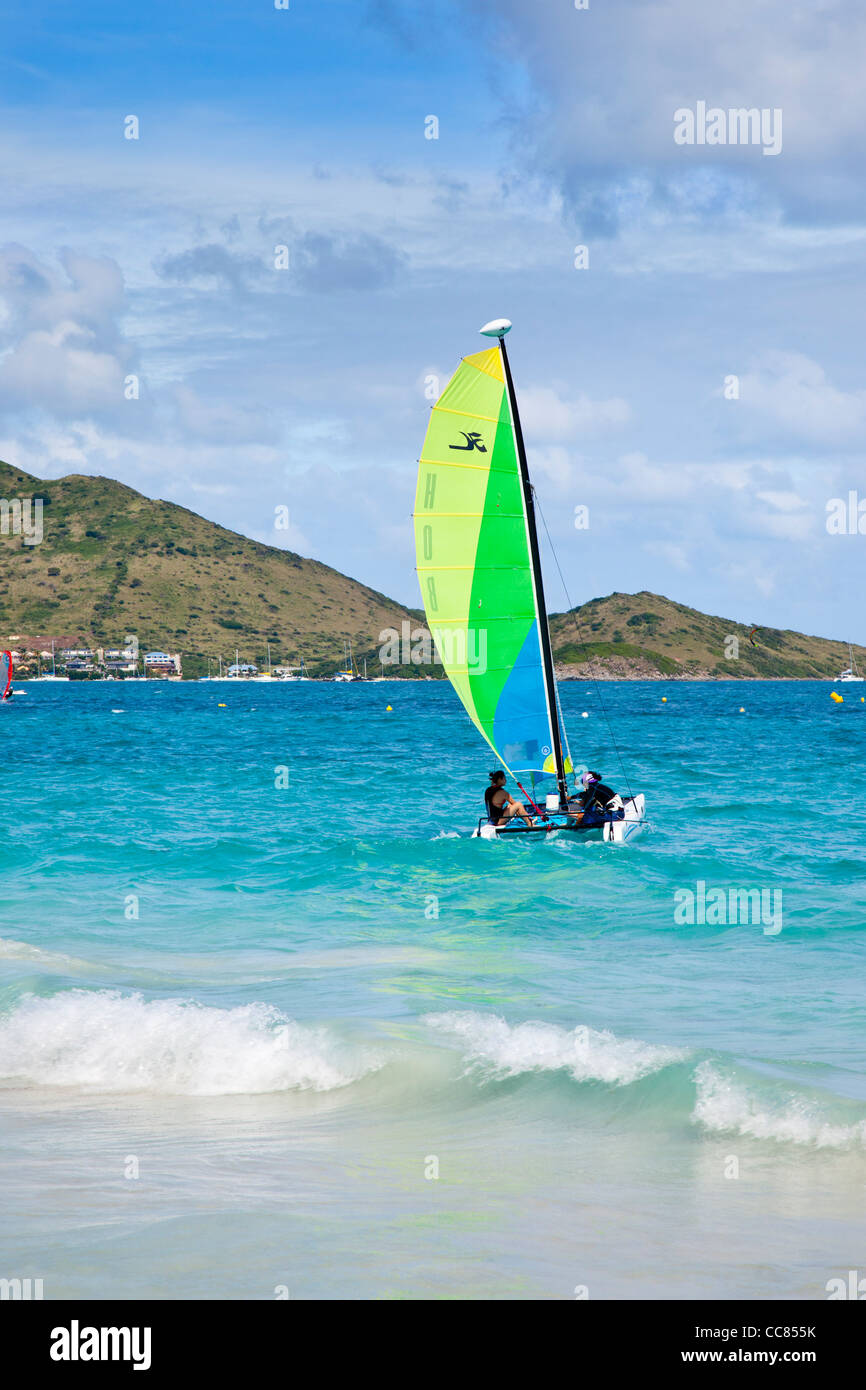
(726,1105)
(105,1041)
(493,1045)
(22,950)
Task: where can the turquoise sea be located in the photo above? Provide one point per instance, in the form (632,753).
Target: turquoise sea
(310,1040)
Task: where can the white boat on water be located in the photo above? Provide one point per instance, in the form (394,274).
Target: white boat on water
(53,676)
(295,673)
(349,670)
(479,569)
(850,673)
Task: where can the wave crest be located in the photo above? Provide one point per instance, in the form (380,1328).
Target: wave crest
(106,1041)
(587,1054)
(725,1105)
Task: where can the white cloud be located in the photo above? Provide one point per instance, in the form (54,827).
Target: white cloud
(675,555)
(550,415)
(62,347)
(794,392)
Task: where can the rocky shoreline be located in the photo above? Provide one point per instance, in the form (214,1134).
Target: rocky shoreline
(629,669)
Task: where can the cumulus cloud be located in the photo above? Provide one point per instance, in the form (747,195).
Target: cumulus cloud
(210,262)
(605,83)
(62,345)
(330,265)
(551,415)
(794,393)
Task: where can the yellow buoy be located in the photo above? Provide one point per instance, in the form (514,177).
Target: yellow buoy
(664,699)
(742,711)
(221,706)
(387,708)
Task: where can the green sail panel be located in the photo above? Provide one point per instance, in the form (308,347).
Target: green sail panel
(474,566)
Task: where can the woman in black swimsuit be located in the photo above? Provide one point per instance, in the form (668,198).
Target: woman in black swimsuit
(501,806)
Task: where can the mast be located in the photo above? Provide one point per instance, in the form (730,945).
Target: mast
(535,557)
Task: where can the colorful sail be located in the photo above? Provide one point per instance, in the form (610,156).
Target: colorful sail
(475,567)
(5,674)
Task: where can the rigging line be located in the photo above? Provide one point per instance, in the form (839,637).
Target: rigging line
(564,730)
(594,679)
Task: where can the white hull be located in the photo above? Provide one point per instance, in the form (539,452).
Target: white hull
(617,832)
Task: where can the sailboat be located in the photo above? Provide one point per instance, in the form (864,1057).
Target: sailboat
(479,569)
(295,673)
(5,677)
(54,676)
(268,673)
(850,673)
(348,670)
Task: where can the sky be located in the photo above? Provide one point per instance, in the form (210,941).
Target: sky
(694,378)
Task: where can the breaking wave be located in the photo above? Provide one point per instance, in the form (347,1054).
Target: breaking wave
(106,1041)
(500,1049)
(727,1106)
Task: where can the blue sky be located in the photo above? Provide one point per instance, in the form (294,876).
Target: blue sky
(305,387)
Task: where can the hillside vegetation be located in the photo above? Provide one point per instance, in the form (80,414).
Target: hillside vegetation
(646,636)
(114,562)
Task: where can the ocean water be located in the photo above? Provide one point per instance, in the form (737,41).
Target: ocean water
(272,1024)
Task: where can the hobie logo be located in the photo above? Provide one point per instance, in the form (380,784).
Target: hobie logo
(473,441)
(75,1343)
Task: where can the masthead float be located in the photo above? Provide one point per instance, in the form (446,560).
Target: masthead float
(479,569)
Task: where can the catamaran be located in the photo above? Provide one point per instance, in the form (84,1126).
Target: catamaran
(479,569)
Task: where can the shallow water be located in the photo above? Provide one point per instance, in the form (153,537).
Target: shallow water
(288,1008)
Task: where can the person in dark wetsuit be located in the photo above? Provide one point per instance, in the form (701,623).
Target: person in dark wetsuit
(597,802)
(501,805)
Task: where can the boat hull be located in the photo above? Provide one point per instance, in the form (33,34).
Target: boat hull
(611,832)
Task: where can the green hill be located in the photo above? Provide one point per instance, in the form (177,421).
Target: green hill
(645,636)
(114,562)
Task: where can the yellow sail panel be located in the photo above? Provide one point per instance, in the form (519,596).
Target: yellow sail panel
(474,564)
